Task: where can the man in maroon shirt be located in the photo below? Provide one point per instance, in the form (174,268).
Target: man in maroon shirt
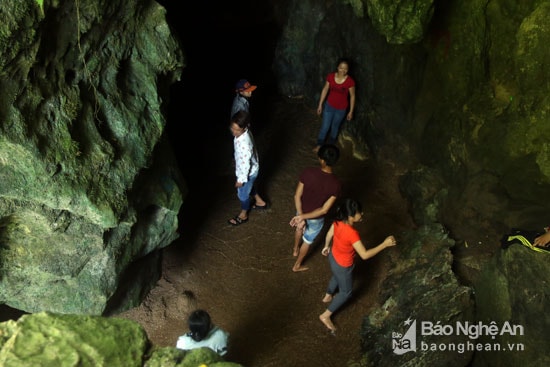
(315,194)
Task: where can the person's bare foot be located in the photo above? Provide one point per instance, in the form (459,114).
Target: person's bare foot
(327,298)
(299,268)
(328,323)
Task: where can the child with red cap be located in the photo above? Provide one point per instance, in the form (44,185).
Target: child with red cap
(243,91)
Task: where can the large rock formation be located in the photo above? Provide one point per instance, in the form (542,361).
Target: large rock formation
(421,288)
(89,189)
(514,288)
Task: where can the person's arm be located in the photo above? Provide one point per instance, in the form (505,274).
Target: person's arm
(236,106)
(298,197)
(223,343)
(319,212)
(324,93)
(542,240)
(297,219)
(328,239)
(367,254)
(351,102)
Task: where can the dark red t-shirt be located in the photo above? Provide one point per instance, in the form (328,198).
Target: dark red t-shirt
(319,186)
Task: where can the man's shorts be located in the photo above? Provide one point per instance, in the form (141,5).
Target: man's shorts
(312,230)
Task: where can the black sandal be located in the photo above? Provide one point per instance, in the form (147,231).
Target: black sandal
(237,221)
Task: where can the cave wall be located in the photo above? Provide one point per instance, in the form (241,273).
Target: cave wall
(482,118)
(89,187)
(460,88)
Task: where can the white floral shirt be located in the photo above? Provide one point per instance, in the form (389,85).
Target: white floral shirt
(246,157)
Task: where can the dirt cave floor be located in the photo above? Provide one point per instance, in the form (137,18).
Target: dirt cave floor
(242,275)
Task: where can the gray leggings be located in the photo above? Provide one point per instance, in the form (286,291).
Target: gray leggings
(341,281)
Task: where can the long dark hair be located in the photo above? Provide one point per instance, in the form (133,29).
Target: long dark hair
(348,208)
(242,119)
(199,325)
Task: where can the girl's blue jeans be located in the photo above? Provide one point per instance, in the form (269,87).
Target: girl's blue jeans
(245,192)
(332,120)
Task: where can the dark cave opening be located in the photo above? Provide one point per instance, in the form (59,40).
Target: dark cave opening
(222,42)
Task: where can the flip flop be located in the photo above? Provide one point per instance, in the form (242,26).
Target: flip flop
(237,221)
(260,207)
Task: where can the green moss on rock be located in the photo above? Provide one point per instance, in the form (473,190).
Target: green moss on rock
(54,340)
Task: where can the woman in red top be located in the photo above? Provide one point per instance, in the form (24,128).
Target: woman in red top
(338,87)
(345,244)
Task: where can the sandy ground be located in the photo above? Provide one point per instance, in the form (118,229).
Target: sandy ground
(242,275)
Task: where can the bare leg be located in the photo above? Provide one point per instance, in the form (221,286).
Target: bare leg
(325,319)
(301,255)
(297,242)
(327,298)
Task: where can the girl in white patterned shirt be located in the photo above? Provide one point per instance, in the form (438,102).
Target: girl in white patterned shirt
(247,167)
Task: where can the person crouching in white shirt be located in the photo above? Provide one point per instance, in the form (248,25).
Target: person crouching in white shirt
(202,333)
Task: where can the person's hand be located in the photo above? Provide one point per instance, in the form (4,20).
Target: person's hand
(390,241)
(298,222)
(542,240)
(238,184)
(325,251)
(319,110)
(349,116)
